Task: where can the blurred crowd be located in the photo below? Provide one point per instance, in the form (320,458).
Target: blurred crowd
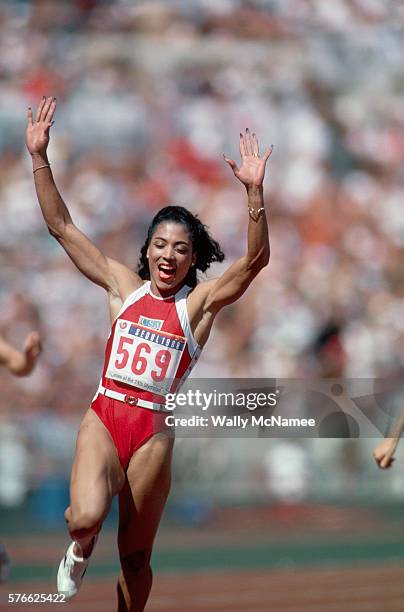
(150,94)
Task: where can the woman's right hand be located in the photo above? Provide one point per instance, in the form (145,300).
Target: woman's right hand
(383,453)
(37,134)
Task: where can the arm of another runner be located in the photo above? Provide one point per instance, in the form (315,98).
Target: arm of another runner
(384,452)
(21,363)
(234,282)
(116,278)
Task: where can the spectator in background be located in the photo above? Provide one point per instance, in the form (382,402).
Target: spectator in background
(328,351)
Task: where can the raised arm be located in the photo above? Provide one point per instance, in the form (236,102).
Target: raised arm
(233,283)
(117,279)
(21,363)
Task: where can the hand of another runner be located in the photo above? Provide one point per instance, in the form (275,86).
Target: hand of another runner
(383,453)
(252,169)
(37,133)
(32,348)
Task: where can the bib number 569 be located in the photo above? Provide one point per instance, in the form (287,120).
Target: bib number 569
(140,359)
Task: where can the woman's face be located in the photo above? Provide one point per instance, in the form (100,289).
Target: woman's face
(170,256)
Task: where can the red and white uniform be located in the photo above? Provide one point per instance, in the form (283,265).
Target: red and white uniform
(150,352)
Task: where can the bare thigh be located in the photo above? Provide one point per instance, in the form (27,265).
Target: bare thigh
(96,476)
(144,495)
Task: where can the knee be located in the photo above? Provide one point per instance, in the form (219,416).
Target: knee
(135,562)
(83,520)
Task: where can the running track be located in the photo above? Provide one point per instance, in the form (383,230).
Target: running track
(357,589)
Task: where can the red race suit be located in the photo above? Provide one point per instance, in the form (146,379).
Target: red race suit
(150,352)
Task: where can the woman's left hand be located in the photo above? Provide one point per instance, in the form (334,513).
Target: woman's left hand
(252,169)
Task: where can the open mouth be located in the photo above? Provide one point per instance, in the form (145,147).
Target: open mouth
(166,272)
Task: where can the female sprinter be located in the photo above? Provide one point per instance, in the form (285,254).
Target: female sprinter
(161,318)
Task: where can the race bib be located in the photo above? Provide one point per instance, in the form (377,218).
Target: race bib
(143,357)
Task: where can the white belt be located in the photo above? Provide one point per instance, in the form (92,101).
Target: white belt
(132,400)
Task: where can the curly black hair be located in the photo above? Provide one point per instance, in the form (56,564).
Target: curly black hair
(207,250)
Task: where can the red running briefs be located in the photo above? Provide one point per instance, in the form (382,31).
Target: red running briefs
(129,426)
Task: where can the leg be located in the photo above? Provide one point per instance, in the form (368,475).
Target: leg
(141,504)
(96,477)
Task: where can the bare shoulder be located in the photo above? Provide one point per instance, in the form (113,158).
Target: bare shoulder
(126,280)
(197,297)
(200,320)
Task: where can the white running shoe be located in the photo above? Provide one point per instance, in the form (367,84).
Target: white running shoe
(71,572)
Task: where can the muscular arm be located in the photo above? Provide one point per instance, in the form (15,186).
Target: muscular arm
(210,297)
(236,279)
(116,278)
(98,268)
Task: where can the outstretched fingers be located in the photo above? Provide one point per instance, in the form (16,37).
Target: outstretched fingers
(268,152)
(243,152)
(254,144)
(231,163)
(40,109)
(248,142)
(48,110)
(249,146)
(45,110)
